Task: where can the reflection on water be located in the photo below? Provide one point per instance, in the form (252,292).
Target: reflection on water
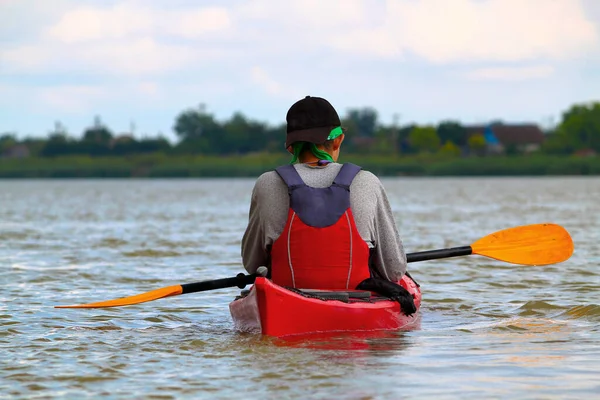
(487,329)
(370,342)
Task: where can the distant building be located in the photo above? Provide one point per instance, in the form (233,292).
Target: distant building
(17,151)
(121,139)
(363,142)
(525,138)
(585,153)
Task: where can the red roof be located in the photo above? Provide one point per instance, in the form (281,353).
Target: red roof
(511,134)
(518,134)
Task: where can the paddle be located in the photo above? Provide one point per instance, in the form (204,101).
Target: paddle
(538,244)
(240,280)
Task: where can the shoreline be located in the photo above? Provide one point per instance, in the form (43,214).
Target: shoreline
(251,166)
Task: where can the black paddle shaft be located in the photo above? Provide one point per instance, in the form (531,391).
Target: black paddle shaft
(240,281)
(437,254)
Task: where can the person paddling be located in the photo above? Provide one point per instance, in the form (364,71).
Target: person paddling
(319,224)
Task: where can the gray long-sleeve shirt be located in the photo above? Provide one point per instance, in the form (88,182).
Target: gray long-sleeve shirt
(370,206)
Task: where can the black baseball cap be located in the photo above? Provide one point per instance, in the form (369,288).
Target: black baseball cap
(310,120)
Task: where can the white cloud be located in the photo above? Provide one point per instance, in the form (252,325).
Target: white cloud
(512,73)
(305,15)
(440,31)
(128,19)
(260,77)
(147,88)
(6,91)
(27,57)
(77,99)
(91,23)
(128,57)
(124,39)
(139,38)
(272,87)
(143,56)
(494,30)
(133,94)
(72,98)
(8,3)
(196,23)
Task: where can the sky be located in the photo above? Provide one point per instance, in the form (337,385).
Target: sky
(137,64)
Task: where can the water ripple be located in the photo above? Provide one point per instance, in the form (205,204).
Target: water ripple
(488,329)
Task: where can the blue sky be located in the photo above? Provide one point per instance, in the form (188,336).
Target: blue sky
(427,60)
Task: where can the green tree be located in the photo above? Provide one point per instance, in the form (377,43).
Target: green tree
(98,134)
(7,141)
(580,127)
(58,144)
(275,138)
(452,131)
(35,145)
(557,143)
(385,141)
(403,141)
(199,132)
(241,135)
(424,139)
(363,120)
(352,132)
(511,150)
(158,144)
(449,148)
(477,143)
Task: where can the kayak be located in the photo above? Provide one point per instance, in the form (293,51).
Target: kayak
(273,310)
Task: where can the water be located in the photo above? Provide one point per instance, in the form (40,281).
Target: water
(488,329)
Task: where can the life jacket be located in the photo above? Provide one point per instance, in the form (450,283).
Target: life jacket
(320,247)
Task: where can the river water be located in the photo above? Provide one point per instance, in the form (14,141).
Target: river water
(488,329)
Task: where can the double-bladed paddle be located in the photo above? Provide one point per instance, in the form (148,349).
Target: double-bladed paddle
(537,244)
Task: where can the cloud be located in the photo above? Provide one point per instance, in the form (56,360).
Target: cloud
(260,77)
(26,57)
(147,88)
(142,38)
(134,57)
(6,91)
(459,31)
(512,73)
(197,23)
(72,98)
(90,23)
(306,15)
(252,54)
(23,20)
(269,85)
(128,19)
(143,95)
(123,39)
(76,99)
(141,56)
(439,31)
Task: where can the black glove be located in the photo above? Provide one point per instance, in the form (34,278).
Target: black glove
(393,291)
(407,303)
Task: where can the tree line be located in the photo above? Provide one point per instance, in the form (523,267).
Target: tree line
(199,132)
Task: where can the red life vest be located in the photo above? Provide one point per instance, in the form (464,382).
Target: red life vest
(320,247)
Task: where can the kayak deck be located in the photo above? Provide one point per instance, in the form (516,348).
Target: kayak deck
(277,311)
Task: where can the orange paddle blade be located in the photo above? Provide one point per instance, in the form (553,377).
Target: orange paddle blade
(537,244)
(126,301)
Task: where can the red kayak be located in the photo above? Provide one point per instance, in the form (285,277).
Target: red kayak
(277,311)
